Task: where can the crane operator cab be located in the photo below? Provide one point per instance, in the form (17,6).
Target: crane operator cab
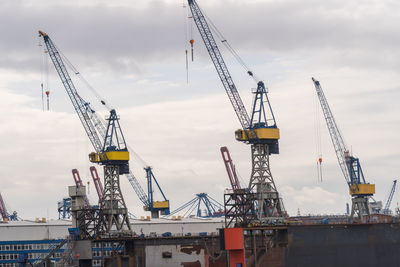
(114,151)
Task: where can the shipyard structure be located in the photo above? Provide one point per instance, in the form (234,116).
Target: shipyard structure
(250,228)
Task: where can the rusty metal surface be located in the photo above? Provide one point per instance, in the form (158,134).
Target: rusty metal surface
(176,251)
(191,264)
(327,245)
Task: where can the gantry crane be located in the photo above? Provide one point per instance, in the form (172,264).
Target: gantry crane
(111,151)
(359,189)
(96,128)
(202,205)
(259,129)
(386,209)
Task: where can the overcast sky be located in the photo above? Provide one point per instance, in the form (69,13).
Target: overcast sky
(133,53)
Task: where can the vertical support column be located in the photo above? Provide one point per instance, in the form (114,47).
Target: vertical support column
(234,245)
(114,214)
(262,183)
(359,208)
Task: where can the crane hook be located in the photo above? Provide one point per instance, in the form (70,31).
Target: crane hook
(191,44)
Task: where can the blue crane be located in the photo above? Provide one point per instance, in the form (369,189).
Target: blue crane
(155,207)
(64,208)
(94,127)
(111,152)
(202,205)
(259,129)
(359,189)
(386,209)
(5,215)
(100,135)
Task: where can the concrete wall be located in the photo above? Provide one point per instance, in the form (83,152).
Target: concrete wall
(26,230)
(16,231)
(366,245)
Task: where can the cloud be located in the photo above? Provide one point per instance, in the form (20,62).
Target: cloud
(314,198)
(133,54)
(127,37)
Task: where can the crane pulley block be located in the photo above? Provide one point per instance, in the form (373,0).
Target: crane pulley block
(362,189)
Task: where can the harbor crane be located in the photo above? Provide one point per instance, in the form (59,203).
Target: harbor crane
(386,209)
(359,189)
(4,213)
(97,182)
(230,168)
(259,130)
(111,151)
(156,207)
(96,129)
(202,205)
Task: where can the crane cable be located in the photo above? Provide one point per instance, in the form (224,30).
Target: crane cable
(42,59)
(225,42)
(318,141)
(103,102)
(79,75)
(98,96)
(44,73)
(185,29)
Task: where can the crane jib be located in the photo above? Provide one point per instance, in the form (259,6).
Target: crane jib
(337,140)
(89,119)
(220,65)
(71,91)
(349,165)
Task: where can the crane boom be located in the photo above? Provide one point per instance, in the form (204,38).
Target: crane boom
(220,65)
(359,190)
(3,210)
(91,122)
(230,168)
(390,197)
(77,101)
(97,182)
(260,131)
(337,139)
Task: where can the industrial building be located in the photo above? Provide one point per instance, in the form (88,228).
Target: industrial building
(37,238)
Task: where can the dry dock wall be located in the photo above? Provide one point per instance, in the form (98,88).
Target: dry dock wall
(357,245)
(366,245)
